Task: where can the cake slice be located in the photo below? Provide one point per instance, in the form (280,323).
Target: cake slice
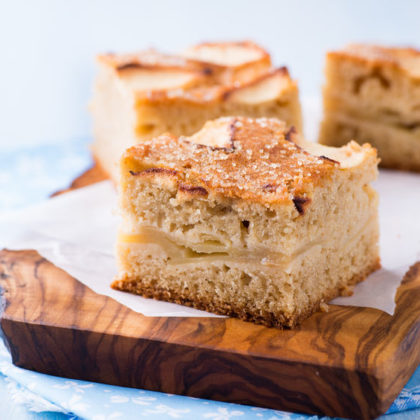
(372,94)
(245,219)
(139,96)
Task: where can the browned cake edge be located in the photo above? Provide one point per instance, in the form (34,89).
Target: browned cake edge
(376,55)
(230,309)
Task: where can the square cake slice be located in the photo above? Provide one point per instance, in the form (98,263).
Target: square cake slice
(246,219)
(372,94)
(140,96)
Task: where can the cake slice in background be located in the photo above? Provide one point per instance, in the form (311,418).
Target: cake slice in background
(372,94)
(140,96)
(246,219)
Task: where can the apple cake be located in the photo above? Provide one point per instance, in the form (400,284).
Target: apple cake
(139,96)
(246,219)
(372,94)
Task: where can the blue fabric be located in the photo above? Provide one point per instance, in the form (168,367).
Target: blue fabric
(29,176)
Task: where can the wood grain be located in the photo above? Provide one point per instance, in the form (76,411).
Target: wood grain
(349,362)
(92,175)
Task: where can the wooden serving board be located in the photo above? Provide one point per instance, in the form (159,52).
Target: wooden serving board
(348,362)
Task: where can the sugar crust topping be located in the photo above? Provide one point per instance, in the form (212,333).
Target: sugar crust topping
(252,159)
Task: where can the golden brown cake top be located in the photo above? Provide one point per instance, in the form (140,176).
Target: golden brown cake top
(203,73)
(252,159)
(205,57)
(406,60)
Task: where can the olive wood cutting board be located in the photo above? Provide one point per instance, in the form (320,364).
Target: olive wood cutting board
(347,362)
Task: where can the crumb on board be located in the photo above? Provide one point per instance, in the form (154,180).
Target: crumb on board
(347,291)
(324,307)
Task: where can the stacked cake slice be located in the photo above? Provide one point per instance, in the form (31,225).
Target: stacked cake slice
(140,96)
(372,94)
(246,219)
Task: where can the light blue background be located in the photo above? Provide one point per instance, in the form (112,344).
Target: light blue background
(47,47)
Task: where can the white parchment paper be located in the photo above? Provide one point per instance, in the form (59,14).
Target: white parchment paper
(76,231)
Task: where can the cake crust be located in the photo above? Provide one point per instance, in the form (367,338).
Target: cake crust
(205,81)
(404,60)
(191,59)
(254,159)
